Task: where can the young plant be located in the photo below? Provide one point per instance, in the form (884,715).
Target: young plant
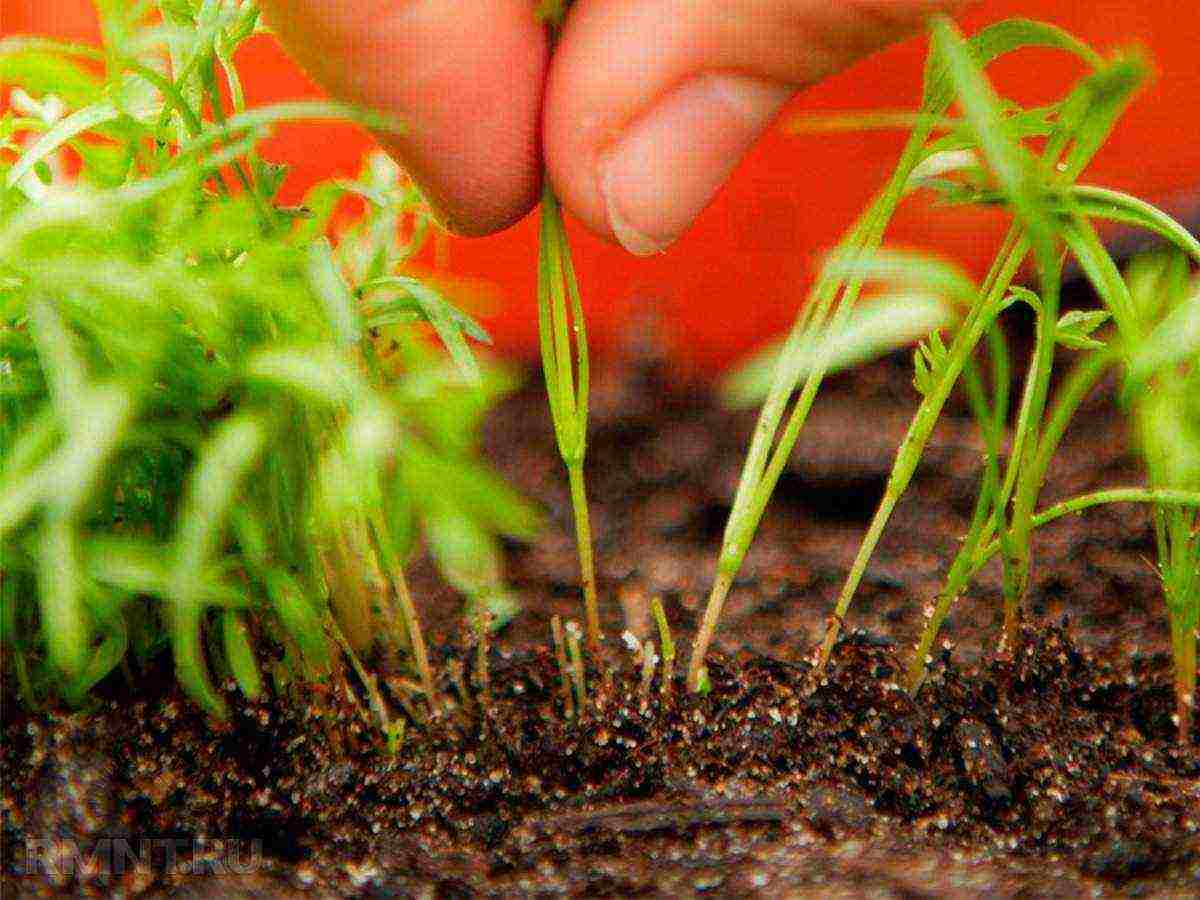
(988,154)
(563,335)
(567,385)
(1164,392)
(219,432)
(831,304)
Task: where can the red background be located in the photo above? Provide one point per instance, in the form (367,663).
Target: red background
(738,275)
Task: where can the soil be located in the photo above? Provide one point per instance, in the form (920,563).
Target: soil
(1052,773)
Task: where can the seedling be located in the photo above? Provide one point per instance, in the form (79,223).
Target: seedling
(482,673)
(224,432)
(578,675)
(985,157)
(394,734)
(649,662)
(666,642)
(1163,387)
(563,334)
(216,426)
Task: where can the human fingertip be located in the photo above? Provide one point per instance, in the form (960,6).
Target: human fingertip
(667,165)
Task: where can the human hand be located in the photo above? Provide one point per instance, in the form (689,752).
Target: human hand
(644,110)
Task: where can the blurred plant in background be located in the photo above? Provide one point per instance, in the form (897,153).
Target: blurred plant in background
(1163,391)
(219,431)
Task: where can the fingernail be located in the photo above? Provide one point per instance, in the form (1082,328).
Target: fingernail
(671,162)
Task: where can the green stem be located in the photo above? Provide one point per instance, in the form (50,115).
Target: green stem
(1183,643)
(394,571)
(761,471)
(1017,556)
(1164,496)
(567,385)
(923,422)
(992,421)
(1079,383)
(412,621)
(583,538)
(218,111)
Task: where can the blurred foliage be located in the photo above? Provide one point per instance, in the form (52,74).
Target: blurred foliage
(218,427)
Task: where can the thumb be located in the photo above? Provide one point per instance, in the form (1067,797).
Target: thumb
(652,103)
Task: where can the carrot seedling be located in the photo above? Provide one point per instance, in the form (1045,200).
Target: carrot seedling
(578,676)
(222,418)
(986,157)
(564,668)
(827,312)
(666,642)
(564,348)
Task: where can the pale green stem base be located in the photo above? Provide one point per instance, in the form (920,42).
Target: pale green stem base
(587,566)
(1183,642)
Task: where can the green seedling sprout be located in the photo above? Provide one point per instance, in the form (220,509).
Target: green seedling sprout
(1162,391)
(1074,332)
(567,385)
(1052,218)
(564,668)
(482,675)
(1084,116)
(394,733)
(649,662)
(829,309)
(218,427)
(666,642)
(564,349)
(578,675)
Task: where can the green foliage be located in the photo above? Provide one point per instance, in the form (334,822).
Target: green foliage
(1164,394)
(922,296)
(1026,161)
(990,130)
(216,426)
(562,332)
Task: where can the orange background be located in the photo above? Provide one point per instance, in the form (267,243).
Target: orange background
(737,277)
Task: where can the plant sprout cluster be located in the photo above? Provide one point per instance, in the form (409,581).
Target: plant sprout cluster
(219,432)
(1147,330)
(225,433)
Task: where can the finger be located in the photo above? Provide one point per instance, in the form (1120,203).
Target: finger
(651,103)
(465,79)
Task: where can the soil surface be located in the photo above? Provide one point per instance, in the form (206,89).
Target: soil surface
(1053,773)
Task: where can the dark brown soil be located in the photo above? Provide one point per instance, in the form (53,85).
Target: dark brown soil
(1052,774)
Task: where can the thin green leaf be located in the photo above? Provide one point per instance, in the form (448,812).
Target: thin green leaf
(300,618)
(446,319)
(1075,327)
(331,290)
(1015,168)
(999,40)
(104,659)
(917,271)
(1174,341)
(45,67)
(240,654)
(1115,206)
(319,373)
(63,131)
(876,327)
(212,489)
(293,111)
